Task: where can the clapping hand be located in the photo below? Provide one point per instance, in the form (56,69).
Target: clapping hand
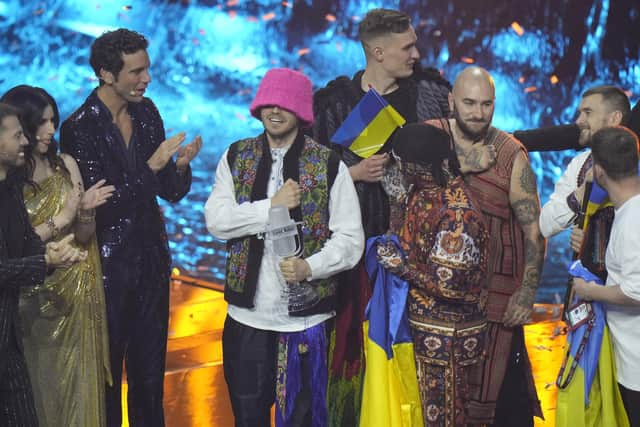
(96,195)
(165,151)
(188,153)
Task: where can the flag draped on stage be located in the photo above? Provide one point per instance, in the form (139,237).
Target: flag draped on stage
(390,391)
(592,397)
(368,125)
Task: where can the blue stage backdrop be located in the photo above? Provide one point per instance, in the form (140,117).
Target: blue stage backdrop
(208,57)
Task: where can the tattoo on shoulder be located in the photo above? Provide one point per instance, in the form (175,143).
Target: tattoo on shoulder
(528,180)
(526,210)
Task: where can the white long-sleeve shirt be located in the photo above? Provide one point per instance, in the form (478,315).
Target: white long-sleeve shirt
(556,215)
(624,270)
(226,219)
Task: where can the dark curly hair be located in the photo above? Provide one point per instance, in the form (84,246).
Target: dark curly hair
(423,148)
(107,50)
(31,102)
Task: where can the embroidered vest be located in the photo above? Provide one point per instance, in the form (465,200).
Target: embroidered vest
(314,167)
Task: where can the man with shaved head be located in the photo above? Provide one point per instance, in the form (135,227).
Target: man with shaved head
(502,389)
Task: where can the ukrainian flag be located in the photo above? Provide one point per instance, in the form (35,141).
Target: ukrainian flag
(390,391)
(598,199)
(592,398)
(368,125)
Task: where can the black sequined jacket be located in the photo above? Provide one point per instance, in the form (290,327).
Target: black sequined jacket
(131,221)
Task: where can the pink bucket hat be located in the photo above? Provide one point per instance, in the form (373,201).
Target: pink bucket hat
(288,89)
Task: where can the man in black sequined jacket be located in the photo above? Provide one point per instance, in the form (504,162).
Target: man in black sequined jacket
(118,135)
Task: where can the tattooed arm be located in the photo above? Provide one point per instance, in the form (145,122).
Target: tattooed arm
(523,197)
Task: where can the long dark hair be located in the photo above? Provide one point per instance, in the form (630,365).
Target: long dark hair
(31,102)
(423,148)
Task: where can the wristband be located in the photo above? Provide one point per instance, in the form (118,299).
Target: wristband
(85,216)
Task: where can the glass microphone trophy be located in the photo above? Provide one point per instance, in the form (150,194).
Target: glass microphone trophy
(282,232)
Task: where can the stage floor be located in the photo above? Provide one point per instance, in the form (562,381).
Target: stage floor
(195,391)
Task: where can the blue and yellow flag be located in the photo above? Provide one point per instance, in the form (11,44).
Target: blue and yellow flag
(390,390)
(598,199)
(368,125)
(592,398)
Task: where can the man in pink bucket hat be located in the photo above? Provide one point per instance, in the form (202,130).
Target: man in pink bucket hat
(275,340)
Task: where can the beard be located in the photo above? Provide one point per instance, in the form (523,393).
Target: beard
(473,135)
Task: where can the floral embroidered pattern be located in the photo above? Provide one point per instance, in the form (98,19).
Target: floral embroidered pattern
(281,373)
(445,240)
(314,204)
(244,174)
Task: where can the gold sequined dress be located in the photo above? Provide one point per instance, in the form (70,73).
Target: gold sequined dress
(64,326)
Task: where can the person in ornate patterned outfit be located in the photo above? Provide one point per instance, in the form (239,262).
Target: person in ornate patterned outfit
(445,242)
(270,348)
(502,388)
(64,319)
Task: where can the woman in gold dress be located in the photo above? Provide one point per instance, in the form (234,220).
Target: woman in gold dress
(63,320)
